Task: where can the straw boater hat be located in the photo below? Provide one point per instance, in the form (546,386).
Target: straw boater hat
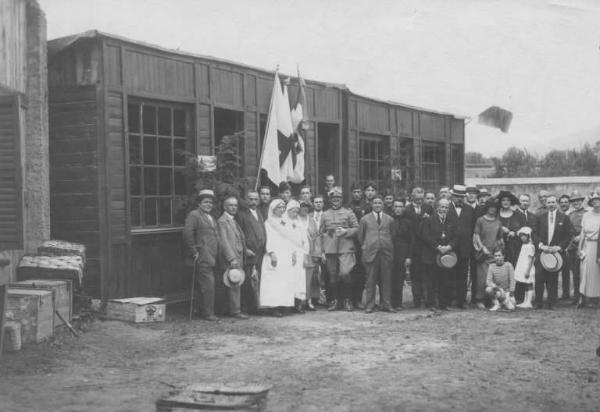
(206,193)
(233,277)
(505,193)
(575,196)
(593,196)
(483,192)
(551,261)
(447,260)
(472,189)
(458,190)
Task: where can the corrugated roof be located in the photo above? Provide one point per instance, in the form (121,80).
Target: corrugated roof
(55,46)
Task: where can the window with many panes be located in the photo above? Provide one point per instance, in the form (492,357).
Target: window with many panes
(432,165)
(372,161)
(158,135)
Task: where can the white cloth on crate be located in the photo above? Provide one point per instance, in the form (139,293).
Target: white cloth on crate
(527,252)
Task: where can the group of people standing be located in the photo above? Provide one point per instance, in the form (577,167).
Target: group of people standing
(281,253)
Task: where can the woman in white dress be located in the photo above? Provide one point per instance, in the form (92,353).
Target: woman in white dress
(298,237)
(277,283)
(588,252)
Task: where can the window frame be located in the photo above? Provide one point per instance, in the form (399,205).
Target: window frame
(377,163)
(437,165)
(139,225)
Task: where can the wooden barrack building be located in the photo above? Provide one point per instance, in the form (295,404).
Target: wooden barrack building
(119,110)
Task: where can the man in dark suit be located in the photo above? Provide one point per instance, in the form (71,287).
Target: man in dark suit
(201,241)
(439,237)
(358,205)
(464,218)
(471,200)
(542,199)
(576,217)
(232,244)
(554,233)
(530,217)
(375,236)
(253,226)
(416,212)
(265,198)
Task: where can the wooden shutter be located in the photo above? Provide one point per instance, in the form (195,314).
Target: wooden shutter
(11,199)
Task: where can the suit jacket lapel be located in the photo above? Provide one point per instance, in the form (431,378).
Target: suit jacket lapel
(207,219)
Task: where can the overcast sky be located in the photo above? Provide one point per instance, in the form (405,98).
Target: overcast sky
(539,59)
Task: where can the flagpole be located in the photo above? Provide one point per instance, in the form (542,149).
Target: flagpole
(262,152)
(305,115)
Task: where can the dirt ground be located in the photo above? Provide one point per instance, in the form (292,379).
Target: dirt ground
(414,360)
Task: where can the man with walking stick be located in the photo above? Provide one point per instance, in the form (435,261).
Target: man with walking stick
(201,241)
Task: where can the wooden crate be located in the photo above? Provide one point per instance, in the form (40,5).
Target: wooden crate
(137,310)
(63,295)
(216,397)
(34,310)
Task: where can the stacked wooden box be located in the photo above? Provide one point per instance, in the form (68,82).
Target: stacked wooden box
(44,293)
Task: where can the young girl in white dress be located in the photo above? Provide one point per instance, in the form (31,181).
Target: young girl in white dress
(525,270)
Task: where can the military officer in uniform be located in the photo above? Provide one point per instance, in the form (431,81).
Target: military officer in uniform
(338,228)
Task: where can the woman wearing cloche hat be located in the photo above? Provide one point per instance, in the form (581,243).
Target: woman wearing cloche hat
(588,252)
(511,223)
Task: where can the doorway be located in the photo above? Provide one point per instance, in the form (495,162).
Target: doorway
(328,153)
(226,123)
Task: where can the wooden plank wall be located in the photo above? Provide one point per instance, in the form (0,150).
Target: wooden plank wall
(131,70)
(158,75)
(398,123)
(13,44)
(75,66)
(11,173)
(74,202)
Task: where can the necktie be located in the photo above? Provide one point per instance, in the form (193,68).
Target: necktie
(379,218)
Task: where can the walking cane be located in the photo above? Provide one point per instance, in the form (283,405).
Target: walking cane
(193,283)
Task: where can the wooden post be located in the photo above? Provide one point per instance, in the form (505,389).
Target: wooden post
(3,299)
